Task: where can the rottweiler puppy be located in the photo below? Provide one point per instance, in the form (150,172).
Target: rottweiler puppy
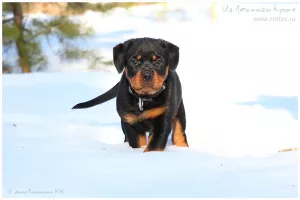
(149,94)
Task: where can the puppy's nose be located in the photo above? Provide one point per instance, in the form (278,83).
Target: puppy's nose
(147,75)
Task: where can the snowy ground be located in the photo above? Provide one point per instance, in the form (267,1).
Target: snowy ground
(240,88)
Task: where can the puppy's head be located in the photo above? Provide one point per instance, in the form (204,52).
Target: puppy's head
(147,62)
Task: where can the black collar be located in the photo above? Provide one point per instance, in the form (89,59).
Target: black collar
(149,98)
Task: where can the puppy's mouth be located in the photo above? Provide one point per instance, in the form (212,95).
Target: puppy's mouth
(146,82)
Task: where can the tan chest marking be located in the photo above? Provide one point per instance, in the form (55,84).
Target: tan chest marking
(131,118)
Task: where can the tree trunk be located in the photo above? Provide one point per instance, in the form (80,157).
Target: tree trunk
(20,41)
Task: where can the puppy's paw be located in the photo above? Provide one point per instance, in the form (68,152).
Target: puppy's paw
(148,149)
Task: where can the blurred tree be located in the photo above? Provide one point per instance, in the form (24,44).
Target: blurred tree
(81,7)
(25,38)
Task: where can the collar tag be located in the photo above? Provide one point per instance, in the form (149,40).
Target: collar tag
(141,104)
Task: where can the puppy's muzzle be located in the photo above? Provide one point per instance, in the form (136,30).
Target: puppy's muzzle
(147,75)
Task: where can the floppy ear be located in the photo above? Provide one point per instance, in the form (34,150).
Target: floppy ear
(172,55)
(118,56)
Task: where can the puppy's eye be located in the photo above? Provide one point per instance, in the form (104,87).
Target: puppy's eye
(158,60)
(134,62)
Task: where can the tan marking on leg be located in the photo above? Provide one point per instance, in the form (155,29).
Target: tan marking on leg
(150,136)
(149,141)
(141,139)
(178,138)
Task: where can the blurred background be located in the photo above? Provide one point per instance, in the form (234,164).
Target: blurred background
(65,36)
(224,37)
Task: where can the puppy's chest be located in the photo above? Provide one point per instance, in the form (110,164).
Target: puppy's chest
(135,116)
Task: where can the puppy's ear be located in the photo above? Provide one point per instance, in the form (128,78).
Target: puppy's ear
(172,54)
(118,56)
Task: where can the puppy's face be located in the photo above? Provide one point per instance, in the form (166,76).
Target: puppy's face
(146,67)
(147,62)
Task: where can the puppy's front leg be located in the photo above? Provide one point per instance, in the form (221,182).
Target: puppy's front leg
(134,138)
(159,137)
(130,134)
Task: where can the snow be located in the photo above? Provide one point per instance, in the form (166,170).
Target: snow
(240,89)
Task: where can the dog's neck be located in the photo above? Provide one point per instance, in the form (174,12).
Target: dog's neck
(148,98)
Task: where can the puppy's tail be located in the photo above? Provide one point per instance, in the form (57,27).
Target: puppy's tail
(110,94)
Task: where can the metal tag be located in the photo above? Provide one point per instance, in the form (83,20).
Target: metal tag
(141,104)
